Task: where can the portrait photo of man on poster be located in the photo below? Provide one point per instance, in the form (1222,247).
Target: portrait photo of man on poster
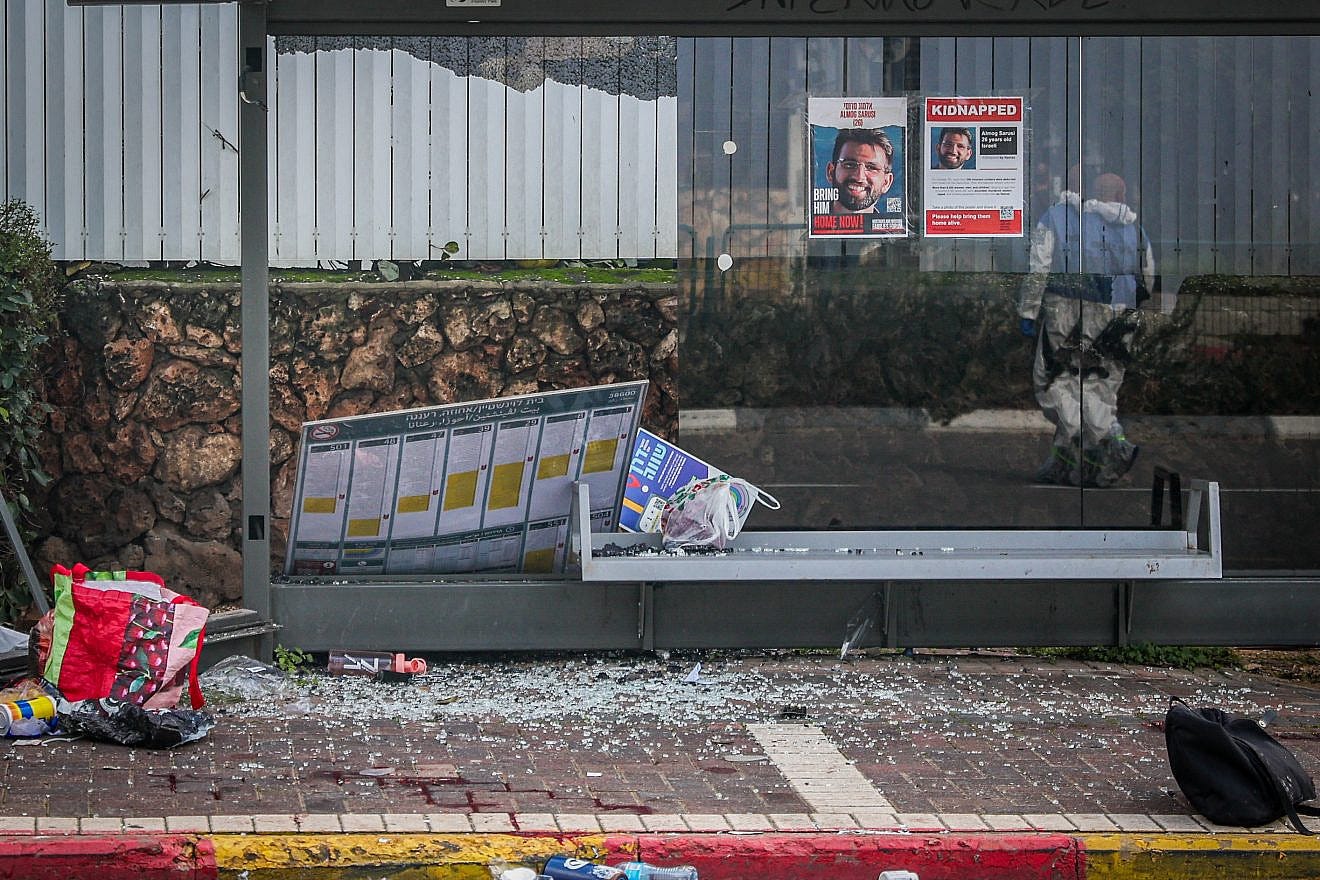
(858,186)
(953,148)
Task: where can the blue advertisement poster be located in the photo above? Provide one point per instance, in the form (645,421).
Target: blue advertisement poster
(657,470)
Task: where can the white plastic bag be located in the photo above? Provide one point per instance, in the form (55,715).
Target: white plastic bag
(710,512)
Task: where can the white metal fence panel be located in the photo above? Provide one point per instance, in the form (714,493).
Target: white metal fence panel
(121,130)
(146,140)
(272,156)
(218,239)
(1303,133)
(562,187)
(524,149)
(636,166)
(294,146)
(487,142)
(449,150)
(600,176)
(333,223)
(1269,203)
(371,154)
(64,128)
(25,119)
(666,177)
(103,71)
(181,170)
(1233,142)
(1197,112)
(410,125)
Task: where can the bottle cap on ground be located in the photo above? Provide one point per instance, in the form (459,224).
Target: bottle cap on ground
(412,666)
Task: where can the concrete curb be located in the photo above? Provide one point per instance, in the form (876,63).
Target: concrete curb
(849,855)
(106,857)
(1168,856)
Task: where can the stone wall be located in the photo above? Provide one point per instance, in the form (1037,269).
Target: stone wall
(144,443)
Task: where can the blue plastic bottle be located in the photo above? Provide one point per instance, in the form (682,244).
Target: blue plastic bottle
(570,868)
(643,871)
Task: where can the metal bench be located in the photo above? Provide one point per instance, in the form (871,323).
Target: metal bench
(908,588)
(1181,551)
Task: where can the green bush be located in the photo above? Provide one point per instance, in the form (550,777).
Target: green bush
(30,287)
(773,333)
(1145,654)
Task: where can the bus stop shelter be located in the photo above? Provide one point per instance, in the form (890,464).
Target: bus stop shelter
(647,607)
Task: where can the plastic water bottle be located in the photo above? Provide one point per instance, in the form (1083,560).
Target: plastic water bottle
(570,868)
(643,871)
(373,663)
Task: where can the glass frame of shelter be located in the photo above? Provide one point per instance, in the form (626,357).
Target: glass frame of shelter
(885,349)
(1005,372)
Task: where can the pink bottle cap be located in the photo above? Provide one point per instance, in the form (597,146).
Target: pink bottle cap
(413,666)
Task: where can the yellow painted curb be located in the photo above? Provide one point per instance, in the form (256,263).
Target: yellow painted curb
(1201,856)
(430,856)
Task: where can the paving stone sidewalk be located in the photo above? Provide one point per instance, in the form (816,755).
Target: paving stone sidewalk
(786,740)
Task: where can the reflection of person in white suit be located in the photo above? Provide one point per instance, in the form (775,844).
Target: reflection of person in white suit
(1090,265)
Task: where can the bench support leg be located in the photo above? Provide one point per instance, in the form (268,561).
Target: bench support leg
(889,614)
(1164,477)
(876,608)
(646,616)
(1126,601)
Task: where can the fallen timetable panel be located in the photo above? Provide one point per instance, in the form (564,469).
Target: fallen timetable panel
(482,486)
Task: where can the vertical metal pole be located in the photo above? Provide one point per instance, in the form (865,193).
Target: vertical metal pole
(16,539)
(255,312)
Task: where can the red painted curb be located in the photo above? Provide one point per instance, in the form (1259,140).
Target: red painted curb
(109,857)
(849,856)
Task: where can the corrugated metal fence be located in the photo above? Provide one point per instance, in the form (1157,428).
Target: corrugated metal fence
(121,129)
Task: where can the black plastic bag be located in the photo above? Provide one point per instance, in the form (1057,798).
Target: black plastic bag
(1232,771)
(115,721)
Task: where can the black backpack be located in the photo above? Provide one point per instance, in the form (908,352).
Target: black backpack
(1232,771)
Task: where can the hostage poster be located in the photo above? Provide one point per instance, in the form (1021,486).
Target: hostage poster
(973,168)
(857,179)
